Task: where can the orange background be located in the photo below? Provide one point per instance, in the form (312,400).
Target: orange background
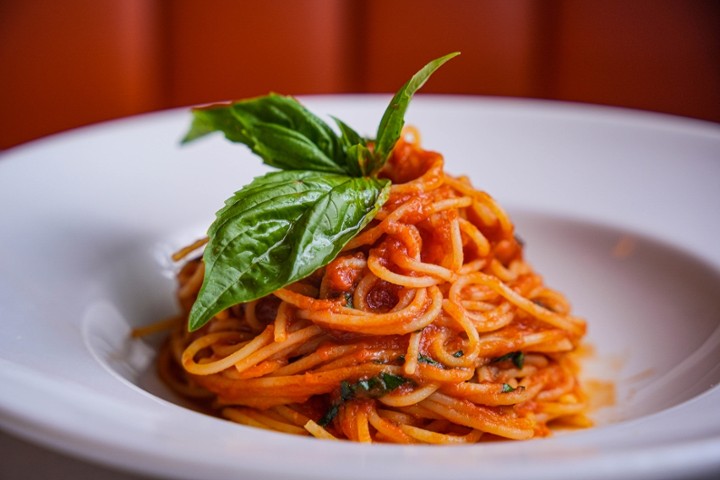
(74,62)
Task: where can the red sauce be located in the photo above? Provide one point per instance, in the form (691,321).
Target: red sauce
(340,276)
(383,296)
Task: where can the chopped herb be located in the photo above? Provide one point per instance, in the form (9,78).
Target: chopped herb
(330,414)
(507,388)
(430,361)
(458,354)
(373,387)
(391,382)
(363,384)
(349,300)
(346,390)
(517,358)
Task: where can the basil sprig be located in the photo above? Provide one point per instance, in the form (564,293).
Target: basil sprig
(373,387)
(517,358)
(285,225)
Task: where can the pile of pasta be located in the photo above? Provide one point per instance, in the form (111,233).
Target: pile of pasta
(429,327)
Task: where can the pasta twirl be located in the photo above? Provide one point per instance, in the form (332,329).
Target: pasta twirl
(429,327)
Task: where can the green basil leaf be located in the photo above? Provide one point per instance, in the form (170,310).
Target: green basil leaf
(346,390)
(393,119)
(373,387)
(517,358)
(391,382)
(279,229)
(273,184)
(330,415)
(507,388)
(268,185)
(215,118)
(349,136)
(334,220)
(288,149)
(358,156)
(278,129)
(429,360)
(349,300)
(361,158)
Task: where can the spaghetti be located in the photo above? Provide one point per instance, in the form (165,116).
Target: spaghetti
(429,327)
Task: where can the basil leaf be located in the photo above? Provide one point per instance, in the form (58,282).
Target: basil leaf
(334,220)
(517,358)
(207,120)
(373,387)
(346,390)
(287,149)
(349,136)
(429,360)
(391,382)
(393,119)
(507,388)
(361,158)
(271,184)
(330,415)
(278,129)
(280,228)
(358,155)
(349,300)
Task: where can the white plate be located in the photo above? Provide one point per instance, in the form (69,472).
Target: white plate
(619,210)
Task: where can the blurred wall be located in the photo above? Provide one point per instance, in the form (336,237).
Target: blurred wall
(74,62)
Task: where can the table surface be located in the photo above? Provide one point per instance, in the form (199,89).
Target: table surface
(22,460)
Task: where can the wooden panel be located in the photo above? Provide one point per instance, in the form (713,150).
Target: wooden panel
(72,63)
(240,49)
(661,55)
(495,38)
(75,62)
